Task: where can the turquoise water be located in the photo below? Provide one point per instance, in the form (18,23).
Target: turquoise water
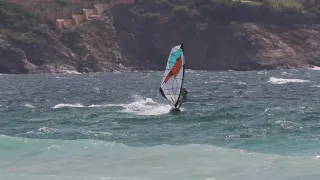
(257,125)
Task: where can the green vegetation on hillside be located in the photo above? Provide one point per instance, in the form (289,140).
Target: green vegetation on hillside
(293,5)
(281,12)
(17,18)
(311,5)
(284,12)
(282,5)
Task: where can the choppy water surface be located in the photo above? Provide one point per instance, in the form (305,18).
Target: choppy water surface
(235,125)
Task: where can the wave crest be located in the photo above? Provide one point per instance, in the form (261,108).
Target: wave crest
(274,80)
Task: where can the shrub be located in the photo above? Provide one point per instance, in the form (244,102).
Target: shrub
(284,5)
(17,18)
(63,2)
(182,12)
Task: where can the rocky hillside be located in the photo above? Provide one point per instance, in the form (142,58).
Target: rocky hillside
(31,45)
(216,35)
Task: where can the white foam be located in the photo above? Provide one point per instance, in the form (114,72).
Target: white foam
(213,81)
(146,107)
(272,108)
(96,89)
(97,133)
(47,130)
(316,157)
(44,130)
(106,105)
(57,77)
(53,147)
(274,80)
(315,68)
(58,106)
(96,105)
(140,106)
(242,83)
(71,72)
(262,72)
(79,105)
(29,106)
(190,71)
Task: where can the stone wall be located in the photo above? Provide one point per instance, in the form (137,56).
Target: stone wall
(86,13)
(76,19)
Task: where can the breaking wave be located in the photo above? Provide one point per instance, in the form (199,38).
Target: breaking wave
(140,106)
(146,106)
(274,80)
(58,106)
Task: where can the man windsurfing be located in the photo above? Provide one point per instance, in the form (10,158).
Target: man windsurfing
(172,81)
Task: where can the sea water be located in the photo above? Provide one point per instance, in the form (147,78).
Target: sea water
(254,125)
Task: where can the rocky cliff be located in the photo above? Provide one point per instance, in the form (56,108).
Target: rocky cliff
(31,45)
(141,35)
(228,37)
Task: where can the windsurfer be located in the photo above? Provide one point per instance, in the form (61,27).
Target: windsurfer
(172,80)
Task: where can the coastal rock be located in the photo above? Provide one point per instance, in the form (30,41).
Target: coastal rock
(139,36)
(30,45)
(12,59)
(148,37)
(95,46)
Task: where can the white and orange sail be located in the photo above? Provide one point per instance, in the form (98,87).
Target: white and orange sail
(172,81)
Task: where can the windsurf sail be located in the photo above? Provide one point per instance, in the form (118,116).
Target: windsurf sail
(172,81)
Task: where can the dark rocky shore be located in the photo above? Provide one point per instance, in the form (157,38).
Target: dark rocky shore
(140,36)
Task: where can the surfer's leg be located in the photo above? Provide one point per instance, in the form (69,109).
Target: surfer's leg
(181,102)
(183,99)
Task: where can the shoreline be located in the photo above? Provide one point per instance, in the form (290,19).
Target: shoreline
(157,70)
